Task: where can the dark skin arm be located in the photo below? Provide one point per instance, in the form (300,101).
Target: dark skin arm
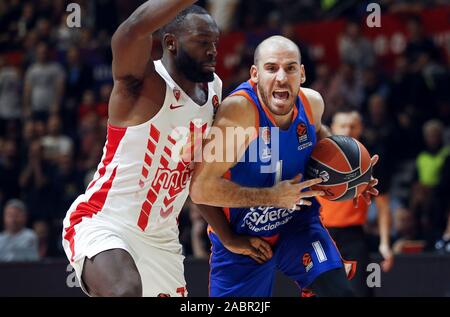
(258,249)
(131,49)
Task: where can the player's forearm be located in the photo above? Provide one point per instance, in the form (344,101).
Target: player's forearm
(197,230)
(323,132)
(215,217)
(151,16)
(224,193)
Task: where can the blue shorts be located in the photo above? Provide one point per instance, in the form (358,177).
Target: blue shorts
(302,254)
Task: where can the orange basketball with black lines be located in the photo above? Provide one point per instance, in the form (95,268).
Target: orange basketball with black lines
(344,165)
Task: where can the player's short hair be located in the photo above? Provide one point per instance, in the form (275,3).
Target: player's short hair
(175,25)
(257,53)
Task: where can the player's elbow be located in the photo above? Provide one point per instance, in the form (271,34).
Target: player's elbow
(197,192)
(200,191)
(127,32)
(122,35)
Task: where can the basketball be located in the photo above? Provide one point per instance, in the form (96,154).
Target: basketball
(343,163)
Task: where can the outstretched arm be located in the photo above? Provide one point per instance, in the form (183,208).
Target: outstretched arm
(132,42)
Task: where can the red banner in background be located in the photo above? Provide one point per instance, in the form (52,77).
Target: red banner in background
(322,38)
(227,58)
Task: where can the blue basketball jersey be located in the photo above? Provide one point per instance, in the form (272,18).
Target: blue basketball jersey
(302,247)
(273,156)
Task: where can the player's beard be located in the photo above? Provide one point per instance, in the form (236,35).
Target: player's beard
(190,68)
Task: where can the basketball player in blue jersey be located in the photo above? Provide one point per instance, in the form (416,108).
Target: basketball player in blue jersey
(273,204)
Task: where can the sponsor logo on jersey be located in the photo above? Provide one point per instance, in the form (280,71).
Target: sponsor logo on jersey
(324,176)
(173,107)
(174,179)
(265,135)
(307,261)
(302,135)
(177,93)
(260,219)
(302,132)
(266,153)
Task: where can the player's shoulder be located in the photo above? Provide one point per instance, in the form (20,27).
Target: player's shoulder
(315,101)
(237,103)
(237,110)
(313,96)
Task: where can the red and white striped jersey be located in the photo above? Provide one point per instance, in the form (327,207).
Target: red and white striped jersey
(142,181)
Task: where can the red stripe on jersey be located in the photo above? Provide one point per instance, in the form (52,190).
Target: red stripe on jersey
(151,146)
(144,172)
(167,201)
(154,133)
(115,135)
(168,151)
(87,209)
(148,159)
(171,140)
(146,208)
(164,162)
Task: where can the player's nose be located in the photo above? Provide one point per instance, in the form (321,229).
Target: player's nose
(281,75)
(212,51)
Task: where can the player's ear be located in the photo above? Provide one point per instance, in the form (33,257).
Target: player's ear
(254,74)
(170,42)
(302,74)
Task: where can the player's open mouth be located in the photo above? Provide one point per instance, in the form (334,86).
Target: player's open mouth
(280,94)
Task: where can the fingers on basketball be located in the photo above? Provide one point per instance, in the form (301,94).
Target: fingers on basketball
(309,183)
(296,179)
(374,159)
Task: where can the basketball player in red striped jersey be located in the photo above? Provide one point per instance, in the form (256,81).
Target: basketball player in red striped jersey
(121,235)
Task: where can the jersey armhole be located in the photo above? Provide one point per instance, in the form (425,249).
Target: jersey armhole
(306,106)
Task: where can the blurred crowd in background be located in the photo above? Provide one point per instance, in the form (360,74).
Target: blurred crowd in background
(55,84)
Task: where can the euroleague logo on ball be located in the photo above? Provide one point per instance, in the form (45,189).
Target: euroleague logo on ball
(324,176)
